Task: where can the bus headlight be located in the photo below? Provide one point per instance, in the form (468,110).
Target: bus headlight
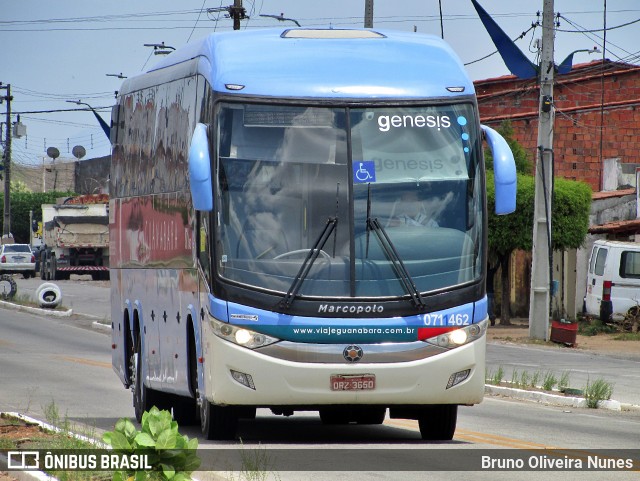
(459,337)
(241,335)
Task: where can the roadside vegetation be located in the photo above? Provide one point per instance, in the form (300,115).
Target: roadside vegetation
(570,218)
(18,434)
(548,381)
(170,455)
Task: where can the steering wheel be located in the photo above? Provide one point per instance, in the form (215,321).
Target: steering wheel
(301,251)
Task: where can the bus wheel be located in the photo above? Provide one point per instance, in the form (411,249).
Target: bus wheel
(218,422)
(141,394)
(438,422)
(371,415)
(335,416)
(185,411)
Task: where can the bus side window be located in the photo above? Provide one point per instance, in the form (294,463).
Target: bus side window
(204,249)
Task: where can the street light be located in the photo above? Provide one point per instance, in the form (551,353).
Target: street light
(117,75)
(567,63)
(281,18)
(160,48)
(105,127)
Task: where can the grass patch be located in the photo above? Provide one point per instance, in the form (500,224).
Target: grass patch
(564,381)
(596,391)
(18,434)
(494,378)
(549,381)
(628,336)
(595,327)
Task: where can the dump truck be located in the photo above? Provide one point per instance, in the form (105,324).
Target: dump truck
(75,237)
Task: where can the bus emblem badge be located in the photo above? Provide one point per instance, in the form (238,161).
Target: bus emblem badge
(352,353)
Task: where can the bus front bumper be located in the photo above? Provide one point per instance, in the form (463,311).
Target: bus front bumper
(273,381)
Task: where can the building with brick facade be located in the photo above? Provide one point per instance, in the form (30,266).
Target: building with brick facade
(597,120)
(596,140)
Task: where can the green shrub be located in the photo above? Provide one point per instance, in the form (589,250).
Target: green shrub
(563,383)
(599,390)
(172,456)
(594,327)
(549,381)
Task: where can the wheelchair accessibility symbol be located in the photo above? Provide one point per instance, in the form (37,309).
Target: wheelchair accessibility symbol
(364,171)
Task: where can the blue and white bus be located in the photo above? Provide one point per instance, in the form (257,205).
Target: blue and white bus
(299,222)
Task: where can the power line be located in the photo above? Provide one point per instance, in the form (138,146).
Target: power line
(608,29)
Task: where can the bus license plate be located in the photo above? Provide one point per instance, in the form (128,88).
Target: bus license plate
(359,382)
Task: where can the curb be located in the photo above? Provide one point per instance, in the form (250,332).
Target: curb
(36,310)
(101,326)
(26,475)
(31,475)
(555,399)
(36,475)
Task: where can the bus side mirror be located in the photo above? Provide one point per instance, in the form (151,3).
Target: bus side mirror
(504,171)
(200,170)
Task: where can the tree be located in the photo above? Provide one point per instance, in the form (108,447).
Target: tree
(520,155)
(569,219)
(19,186)
(24,202)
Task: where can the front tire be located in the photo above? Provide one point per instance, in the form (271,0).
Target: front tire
(371,415)
(335,416)
(438,422)
(218,422)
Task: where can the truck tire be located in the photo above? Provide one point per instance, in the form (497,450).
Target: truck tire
(54,269)
(49,295)
(43,265)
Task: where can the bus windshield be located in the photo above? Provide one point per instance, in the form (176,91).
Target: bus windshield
(300,189)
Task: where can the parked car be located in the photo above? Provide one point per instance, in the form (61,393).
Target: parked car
(17,259)
(613,280)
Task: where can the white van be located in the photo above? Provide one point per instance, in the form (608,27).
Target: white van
(613,280)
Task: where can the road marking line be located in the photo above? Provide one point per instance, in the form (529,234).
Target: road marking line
(87,362)
(476,437)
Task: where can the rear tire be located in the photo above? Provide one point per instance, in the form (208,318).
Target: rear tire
(185,411)
(54,269)
(43,266)
(438,422)
(142,396)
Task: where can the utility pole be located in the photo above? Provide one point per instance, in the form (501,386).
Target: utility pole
(6,225)
(238,13)
(368,13)
(541,270)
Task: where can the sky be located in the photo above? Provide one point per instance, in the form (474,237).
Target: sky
(56,51)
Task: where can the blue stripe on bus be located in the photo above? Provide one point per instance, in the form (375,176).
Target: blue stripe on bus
(340,329)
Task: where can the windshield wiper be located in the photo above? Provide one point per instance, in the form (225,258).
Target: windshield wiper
(307,264)
(398,266)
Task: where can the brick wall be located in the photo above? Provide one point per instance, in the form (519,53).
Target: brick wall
(580,113)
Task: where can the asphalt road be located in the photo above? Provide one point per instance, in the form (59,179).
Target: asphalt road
(66,363)
(90,301)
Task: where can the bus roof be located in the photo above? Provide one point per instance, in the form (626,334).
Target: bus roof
(327,63)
